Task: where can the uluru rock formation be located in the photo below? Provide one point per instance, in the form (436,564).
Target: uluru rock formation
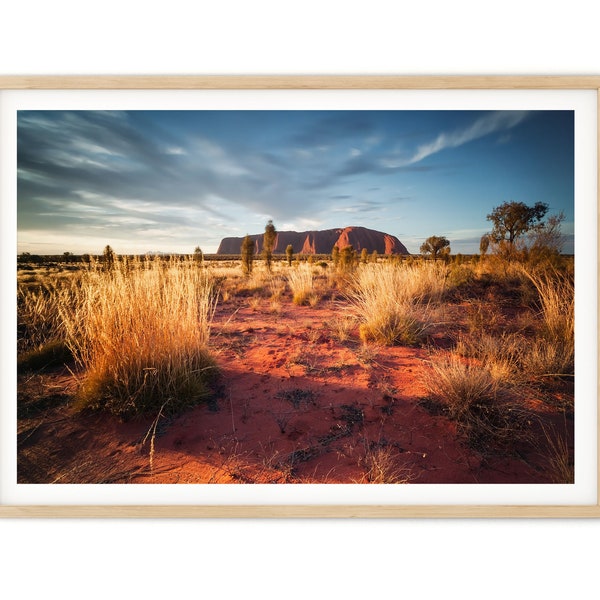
(322,242)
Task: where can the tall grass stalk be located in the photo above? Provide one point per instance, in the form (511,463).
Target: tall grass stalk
(141,332)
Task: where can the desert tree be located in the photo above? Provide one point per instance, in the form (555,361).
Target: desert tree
(374,256)
(484,244)
(335,256)
(347,258)
(247,255)
(512,220)
(108,258)
(198,255)
(269,239)
(436,246)
(546,241)
(289,252)
(364,256)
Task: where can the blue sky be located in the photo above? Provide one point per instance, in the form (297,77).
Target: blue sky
(171,180)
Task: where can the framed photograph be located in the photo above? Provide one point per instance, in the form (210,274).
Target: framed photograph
(299,296)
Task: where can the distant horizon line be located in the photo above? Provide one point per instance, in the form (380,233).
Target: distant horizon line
(225,256)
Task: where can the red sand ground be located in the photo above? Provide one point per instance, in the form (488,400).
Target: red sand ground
(294,405)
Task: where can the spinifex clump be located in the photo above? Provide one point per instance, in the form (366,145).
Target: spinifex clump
(141,331)
(392,302)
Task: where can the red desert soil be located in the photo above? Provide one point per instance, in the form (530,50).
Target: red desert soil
(293,405)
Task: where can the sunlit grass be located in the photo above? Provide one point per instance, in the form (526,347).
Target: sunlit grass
(555,351)
(485,415)
(301,282)
(392,303)
(141,333)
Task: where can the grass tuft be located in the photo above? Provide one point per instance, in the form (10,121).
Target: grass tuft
(392,303)
(141,333)
(301,283)
(381,466)
(554,353)
(460,386)
(473,398)
(562,468)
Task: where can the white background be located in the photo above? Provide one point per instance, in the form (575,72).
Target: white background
(297,559)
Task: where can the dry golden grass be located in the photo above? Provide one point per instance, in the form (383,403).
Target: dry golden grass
(341,327)
(382,465)
(555,350)
(502,355)
(392,303)
(562,468)
(548,359)
(485,414)
(40,329)
(460,386)
(141,333)
(39,322)
(538,342)
(301,282)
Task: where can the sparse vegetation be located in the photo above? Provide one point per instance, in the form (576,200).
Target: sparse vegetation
(461,386)
(480,342)
(562,467)
(335,256)
(108,258)
(39,322)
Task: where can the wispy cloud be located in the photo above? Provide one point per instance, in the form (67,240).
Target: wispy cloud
(364,206)
(490,123)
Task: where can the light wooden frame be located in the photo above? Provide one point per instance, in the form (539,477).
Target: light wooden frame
(177,82)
